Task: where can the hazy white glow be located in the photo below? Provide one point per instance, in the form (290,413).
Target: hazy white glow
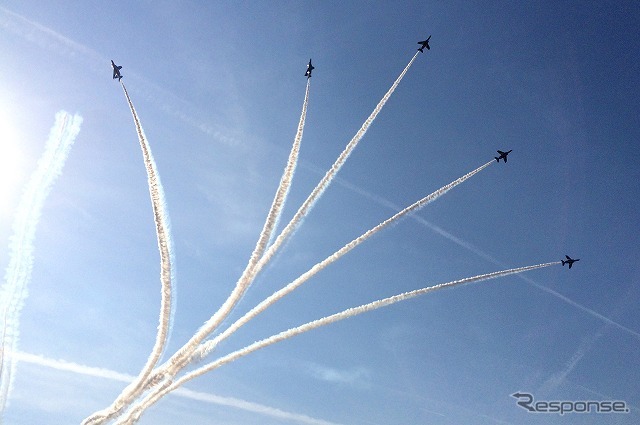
(14,290)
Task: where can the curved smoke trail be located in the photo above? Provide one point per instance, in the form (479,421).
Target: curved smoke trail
(291,165)
(163,233)
(18,274)
(183,355)
(208,346)
(153,397)
(179,359)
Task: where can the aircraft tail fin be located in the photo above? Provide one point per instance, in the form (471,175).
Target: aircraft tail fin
(497,159)
(563,262)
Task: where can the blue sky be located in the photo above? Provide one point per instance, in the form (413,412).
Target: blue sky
(219,89)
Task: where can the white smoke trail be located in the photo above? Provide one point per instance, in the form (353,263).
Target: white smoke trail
(329,176)
(208,346)
(289,175)
(165,246)
(178,360)
(243,283)
(15,288)
(477,251)
(183,356)
(283,189)
(250,273)
(156,395)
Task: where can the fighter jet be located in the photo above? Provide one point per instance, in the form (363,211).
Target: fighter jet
(309,69)
(116,71)
(569,261)
(503,155)
(424,43)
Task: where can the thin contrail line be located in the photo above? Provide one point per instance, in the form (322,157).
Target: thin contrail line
(583,308)
(208,346)
(18,273)
(236,403)
(163,233)
(150,399)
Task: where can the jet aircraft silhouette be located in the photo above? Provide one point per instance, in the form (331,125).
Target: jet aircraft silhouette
(424,43)
(116,71)
(309,69)
(503,155)
(569,261)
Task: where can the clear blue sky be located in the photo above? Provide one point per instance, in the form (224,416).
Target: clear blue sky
(219,90)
